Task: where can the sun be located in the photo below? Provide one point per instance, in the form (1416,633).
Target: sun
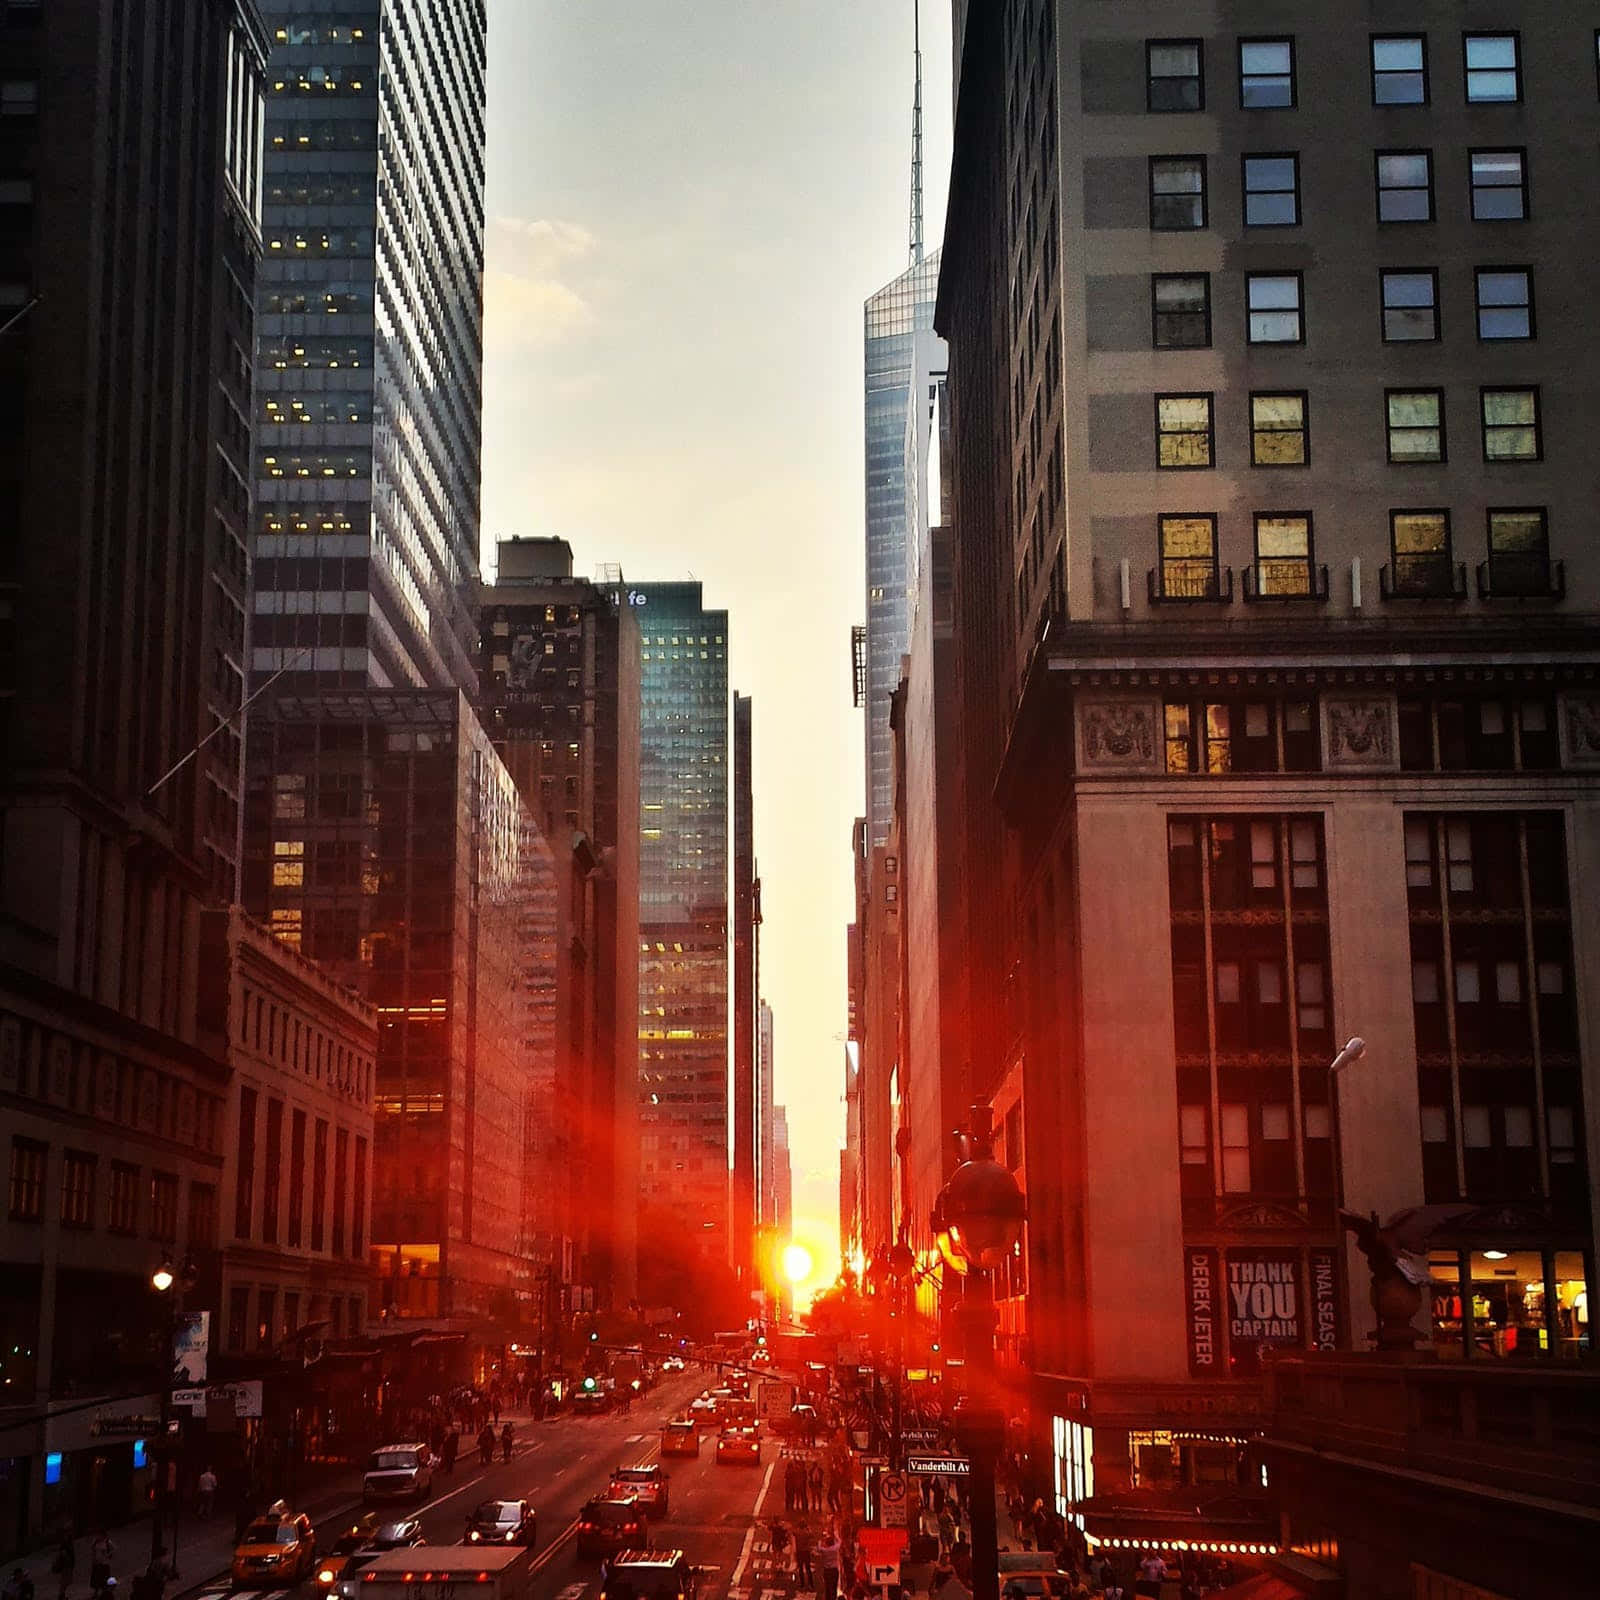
(797,1263)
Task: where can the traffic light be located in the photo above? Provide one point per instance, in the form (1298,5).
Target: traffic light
(594,1335)
(589,1385)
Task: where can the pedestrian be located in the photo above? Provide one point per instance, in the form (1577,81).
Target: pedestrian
(1017,1510)
(65,1562)
(827,1553)
(447,1453)
(794,1485)
(206,1496)
(815,1485)
(802,1556)
(508,1435)
(947,1530)
(102,1552)
(778,1543)
(486,1445)
(961,1557)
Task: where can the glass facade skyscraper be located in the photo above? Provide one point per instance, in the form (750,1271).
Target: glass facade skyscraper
(898,317)
(683,910)
(369,343)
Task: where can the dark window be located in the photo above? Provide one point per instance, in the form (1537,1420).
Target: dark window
(272,1173)
(319,1184)
(1415,419)
(1410,305)
(28,1158)
(1419,543)
(123,1211)
(238,1316)
(1519,551)
(341,1182)
(1271,191)
(1266,73)
(297,1179)
(246,1159)
(1275,307)
(1283,554)
(19,97)
(1188,557)
(1279,430)
(202,1216)
(1180,311)
(358,1209)
(1499,185)
(1184,431)
(1505,302)
(1399,70)
(1494,68)
(1174,75)
(1405,185)
(1177,192)
(164,1207)
(77,1189)
(267,1318)
(1511,424)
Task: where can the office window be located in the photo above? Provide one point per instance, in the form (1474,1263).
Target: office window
(1494,68)
(297,1179)
(1519,550)
(1266,73)
(1174,75)
(202,1234)
(1185,436)
(1177,193)
(1405,185)
(1192,1143)
(28,1159)
(1271,191)
(1505,302)
(272,1173)
(1283,554)
(123,1211)
(1419,546)
(1416,425)
(164,1207)
(19,97)
(1499,185)
(1181,311)
(1275,308)
(1510,424)
(1188,557)
(1235,1144)
(1279,431)
(245,1161)
(1399,70)
(77,1189)
(1410,306)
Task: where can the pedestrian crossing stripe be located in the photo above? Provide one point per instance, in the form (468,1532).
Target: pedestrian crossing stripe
(572,1591)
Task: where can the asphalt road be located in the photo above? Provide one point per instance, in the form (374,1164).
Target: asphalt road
(561,1463)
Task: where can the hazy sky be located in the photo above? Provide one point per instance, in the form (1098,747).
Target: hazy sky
(688,202)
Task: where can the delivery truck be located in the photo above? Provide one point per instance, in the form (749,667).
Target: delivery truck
(450,1572)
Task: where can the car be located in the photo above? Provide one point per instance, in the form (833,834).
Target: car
(502,1522)
(339,1577)
(672,1364)
(593,1402)
(648,1575)
(703,1409)
(648,1484)
(276,1550)
(760,1358)
(608,1524)
(1030,1575)
(680,1437)
(403,1535)
(398,1472)
(358,1535)
(739,1444)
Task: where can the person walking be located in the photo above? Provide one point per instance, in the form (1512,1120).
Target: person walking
(815,1485)
(803,1573)
(794,1485)
(102,1552)
(64,1565)
(947,1530)
(827,1553)
(447,1451)
(486,1445)
(205,1493)
(508,1436)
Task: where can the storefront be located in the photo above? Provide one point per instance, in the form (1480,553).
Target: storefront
(98,1461)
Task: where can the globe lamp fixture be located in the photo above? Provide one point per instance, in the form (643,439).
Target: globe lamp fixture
(978,1216)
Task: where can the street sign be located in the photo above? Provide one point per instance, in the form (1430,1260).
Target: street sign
(775,1400)
(882,1548)
(921,1438)
(939,1466)
(892,1500)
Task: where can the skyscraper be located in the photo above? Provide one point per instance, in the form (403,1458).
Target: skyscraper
(683,912)
(369,351)
(744,1058)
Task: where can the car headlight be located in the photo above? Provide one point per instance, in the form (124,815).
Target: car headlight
(325,1576)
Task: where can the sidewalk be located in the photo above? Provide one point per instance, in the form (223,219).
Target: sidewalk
(204,1548)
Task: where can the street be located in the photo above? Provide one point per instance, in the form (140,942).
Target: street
(560,1464)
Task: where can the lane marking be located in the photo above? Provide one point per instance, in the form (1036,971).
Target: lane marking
(750,1535)
(548,1554)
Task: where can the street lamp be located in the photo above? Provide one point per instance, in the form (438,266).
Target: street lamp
(173,1283)
(977,1220)
(1354,1050)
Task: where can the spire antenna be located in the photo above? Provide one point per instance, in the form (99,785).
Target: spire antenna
(916,139)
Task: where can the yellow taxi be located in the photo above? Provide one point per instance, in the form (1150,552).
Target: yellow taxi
(277,1550)
(680,1437)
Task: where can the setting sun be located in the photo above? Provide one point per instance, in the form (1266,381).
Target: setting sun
(797,1263)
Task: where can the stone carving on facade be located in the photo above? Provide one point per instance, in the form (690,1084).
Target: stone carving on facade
(1120,735)
(1358,733)
(1580,730)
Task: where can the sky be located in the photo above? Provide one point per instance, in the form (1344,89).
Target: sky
(688,202)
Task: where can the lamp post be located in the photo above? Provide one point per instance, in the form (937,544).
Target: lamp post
(173,1283)
(1353,1051)
(977,1220)
(888,1274)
